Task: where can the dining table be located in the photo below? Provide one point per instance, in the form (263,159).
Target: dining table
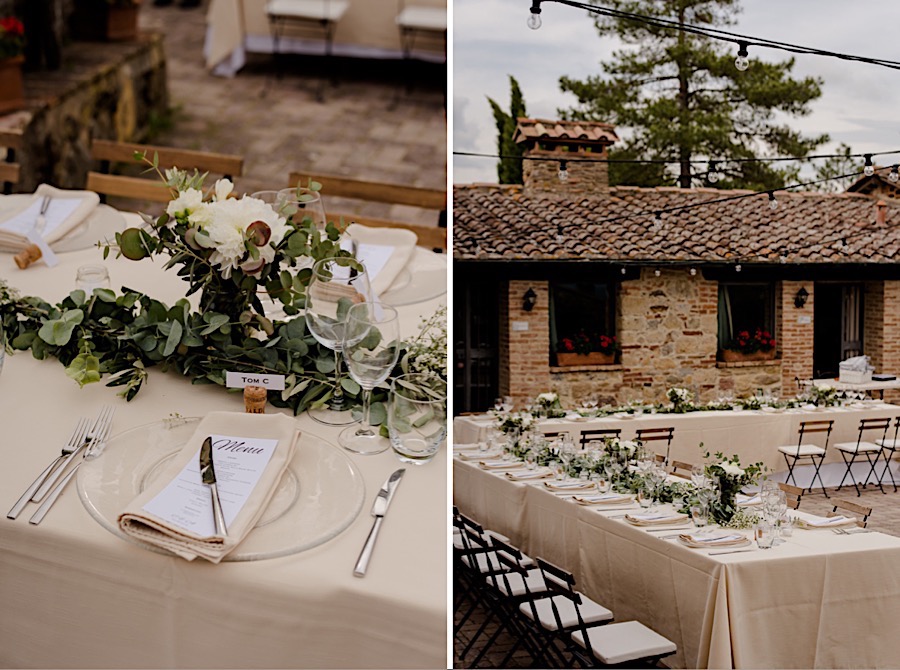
(817,599)
(752,435)
(78,593)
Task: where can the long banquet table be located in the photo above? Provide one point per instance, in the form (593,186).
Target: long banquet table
(753,435)
(74,594)
(819,600)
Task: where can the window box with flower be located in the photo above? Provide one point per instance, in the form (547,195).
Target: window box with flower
(583,348)
(12,48)
(746,346)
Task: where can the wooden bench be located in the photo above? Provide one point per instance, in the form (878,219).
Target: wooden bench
(434,238)
(151,188)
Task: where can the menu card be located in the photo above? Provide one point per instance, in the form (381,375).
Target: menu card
(58,210)
(186,501)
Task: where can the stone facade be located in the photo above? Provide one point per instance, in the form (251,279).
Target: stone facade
(584,178)
(525,342)
(794,332)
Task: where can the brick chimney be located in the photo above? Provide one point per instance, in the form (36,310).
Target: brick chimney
(566,141)
(881,212)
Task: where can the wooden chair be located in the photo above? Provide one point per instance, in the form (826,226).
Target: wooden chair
(413,20)
(804,450)
(644,435)
(588,436)
(682,469)
(863,511)
(793,494)
(861,447)
(434,238)
(889,447)
(150,188)
(9,168)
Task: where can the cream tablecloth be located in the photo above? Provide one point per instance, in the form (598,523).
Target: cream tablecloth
(818,601)
(75,595)
(368,30)
(752,435)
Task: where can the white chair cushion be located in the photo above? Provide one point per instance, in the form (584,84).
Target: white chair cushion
(534,580)
(458,541)
(622,642)
(591,612)
(494,564)
(423,18)
(854,448)
(888,443)
(313,10)
(802,450)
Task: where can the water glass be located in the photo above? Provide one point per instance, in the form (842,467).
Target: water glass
(765,535)
(417,417)
(559,472)
(645,496)
(89,277)
(699,515)
(603,483)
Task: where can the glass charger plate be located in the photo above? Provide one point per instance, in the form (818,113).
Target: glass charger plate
(319,496)
(423,279)
(101,224)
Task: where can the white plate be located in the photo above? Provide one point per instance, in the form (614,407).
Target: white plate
(423,279)
(319,496)
(100,225)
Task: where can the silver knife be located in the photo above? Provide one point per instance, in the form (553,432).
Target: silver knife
(208,472)
(379,508)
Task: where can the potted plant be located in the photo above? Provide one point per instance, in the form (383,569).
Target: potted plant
(12,49)
(583,348)
(747,346)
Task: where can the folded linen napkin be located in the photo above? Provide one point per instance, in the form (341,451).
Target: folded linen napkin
(746,501)
(501,465)
(384,252)
(181,480)
(570,486)
(65,212)
(720,539)
(465,447)
(529,475)
(826,522)
(603,499)
(651,519)
(478,455)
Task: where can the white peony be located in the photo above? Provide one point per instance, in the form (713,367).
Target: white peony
(628,445)
(223,189)
(731,469)
(547,398)
(185,204)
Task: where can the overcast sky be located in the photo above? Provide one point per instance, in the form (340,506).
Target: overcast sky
(860,104)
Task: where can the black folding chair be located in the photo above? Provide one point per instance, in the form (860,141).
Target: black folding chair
(600,433)
(800,451)
(889,447)
(644,435)
(863,448)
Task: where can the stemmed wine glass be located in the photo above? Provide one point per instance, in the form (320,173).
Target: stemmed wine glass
(304,203)
(371,348)
(335,286)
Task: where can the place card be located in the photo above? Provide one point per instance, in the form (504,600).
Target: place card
(185,501)
(239,380)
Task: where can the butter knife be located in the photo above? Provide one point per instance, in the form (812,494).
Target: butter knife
(379,508)
(208,472)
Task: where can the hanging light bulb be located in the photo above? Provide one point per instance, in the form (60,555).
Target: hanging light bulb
(773,203)
(742,62)
(563,173)
(869,169)
(737,268)
(693,272)
(656,272)
(894,175)
(711,175)
(623,270)
(534,20)
(559,235)
(657,221)
(782,259)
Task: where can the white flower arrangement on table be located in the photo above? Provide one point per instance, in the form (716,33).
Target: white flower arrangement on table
(729,477)
(515,421)
(823,395)
(681,398)
(427,353)
(549,403)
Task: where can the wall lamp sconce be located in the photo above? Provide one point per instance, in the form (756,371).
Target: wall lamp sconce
(800,298)
(529,300)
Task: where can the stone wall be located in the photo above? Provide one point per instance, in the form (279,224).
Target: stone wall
(796,334)
(524,342)
(585,178)
(873,323)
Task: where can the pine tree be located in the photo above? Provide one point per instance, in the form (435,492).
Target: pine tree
(678,97)
(509,170)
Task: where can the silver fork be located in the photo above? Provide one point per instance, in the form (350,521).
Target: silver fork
(93,443)
(74,441)
(102,420)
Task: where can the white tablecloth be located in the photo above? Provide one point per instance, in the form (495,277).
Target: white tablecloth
(752,435)
(367,30)
(75,595)
(819,600)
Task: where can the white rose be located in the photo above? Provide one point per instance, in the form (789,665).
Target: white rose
(185,204)
(628,445)
(547,397)
(223,188)
(731,469)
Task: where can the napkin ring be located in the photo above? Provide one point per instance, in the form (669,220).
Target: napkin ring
(254,400)
(27,256)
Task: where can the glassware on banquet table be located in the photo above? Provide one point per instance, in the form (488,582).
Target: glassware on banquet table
(417,417)
(371,346)
(333,289)
(306,204)
(89,277)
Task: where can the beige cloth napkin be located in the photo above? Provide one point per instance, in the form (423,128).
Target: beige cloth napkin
(140,524)
(723,539)
(604,499)
(529,475)
(398,244)
(826,522)
(654,519)
(570,486)
(61,218)
(501,465)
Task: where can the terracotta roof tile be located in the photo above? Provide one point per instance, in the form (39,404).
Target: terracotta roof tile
(507,222)
(537,129)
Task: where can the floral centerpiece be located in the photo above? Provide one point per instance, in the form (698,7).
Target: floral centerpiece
(12,37)
(516,422)
(729,478)
(583,348)
(681,398)
(824,395)
(549,404)
(758,345)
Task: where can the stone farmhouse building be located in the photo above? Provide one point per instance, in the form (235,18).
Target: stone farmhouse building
(537,262)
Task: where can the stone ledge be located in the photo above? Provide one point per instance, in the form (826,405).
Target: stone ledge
(617,367)
(748,364)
